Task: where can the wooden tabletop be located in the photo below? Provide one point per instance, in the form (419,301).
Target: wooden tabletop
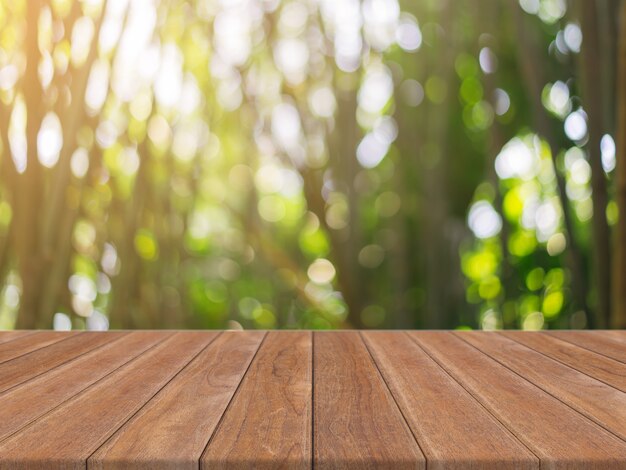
(163,399)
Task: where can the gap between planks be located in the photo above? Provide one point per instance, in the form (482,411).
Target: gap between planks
(607,345)
(590,363)
(565,364)
(232,399)
(313,337)
(393,397)
(591,445)
(79,392)
(512,432)
(569,405)
(62,344)
(164,385)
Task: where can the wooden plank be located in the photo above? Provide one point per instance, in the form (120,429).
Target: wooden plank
(342,399)
(597,341)
(588,362)
(173,429)
(68,435)
(454,431)
(28,343)
(27,402)
(558,435)
(617,335)
(268,422)
(599,402)
(357,424)
(42,360)
(14,334)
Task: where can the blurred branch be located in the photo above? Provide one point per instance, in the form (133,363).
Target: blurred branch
(278,258)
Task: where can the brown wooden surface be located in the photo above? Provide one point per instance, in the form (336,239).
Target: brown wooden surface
(27,343)
(12,335)
(598,401)
(69,434)
(41,360)
(268,422)
(191,404)
(30,400)
(357,422)
(558,435)
(453,429)
(596,341)
(595,365)
(390,400)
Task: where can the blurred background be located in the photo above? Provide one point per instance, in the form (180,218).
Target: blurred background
(312,164)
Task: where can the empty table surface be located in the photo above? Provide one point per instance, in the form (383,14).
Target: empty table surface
(301,399)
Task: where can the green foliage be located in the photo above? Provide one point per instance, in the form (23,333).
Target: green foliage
(292,164)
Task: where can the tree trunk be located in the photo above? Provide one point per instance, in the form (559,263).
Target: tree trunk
(591,75)
(347,242)
(618,319)
(29,187)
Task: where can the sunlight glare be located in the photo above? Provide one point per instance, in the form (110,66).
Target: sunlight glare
(576,126)
(516,160)
(607,147)
(49,140)
(376,90)
(483,220)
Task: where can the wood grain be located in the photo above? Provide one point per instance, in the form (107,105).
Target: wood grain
(345,400)
(14,334)
(617,335)
(173,429)
(27,402)
(599,402)
(357,423)
(96,413)
(268,422)
(588,362)
(597,341)
(454,431)
(558,435)
(44,359)
(28,343)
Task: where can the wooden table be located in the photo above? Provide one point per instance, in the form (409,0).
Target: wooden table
(158,399)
